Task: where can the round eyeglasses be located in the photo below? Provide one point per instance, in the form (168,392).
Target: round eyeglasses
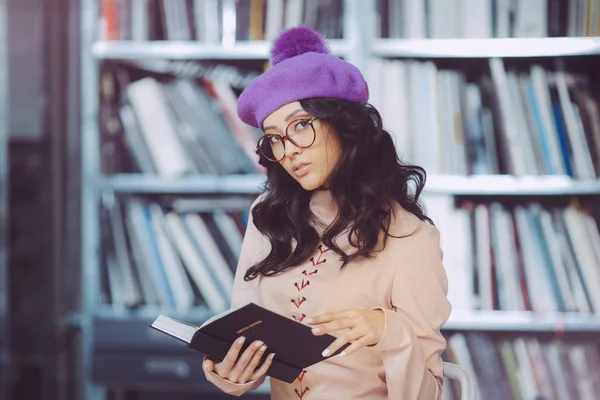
(300,132)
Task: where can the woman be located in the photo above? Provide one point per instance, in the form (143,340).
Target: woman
(337,241)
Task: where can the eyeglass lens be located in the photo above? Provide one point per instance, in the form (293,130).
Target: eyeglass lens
(301,133)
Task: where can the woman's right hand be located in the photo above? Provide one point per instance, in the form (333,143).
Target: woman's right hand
(241,368)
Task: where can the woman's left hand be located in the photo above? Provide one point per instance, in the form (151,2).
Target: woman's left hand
(364,328)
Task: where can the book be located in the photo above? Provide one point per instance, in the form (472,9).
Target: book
(293,343)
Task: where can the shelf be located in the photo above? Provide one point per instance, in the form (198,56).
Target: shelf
(104,312)
(522,321)
(505,321)
(476,185)
(507,185)
(130,50)
(198,184)
(485,48)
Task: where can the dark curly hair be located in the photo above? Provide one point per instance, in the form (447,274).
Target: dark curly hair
(366,183)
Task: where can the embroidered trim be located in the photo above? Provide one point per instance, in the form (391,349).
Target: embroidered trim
(302,391)
(300,318)
(322,250)
(304,284)
(299,300)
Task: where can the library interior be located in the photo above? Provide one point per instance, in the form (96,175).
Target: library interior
(120,130)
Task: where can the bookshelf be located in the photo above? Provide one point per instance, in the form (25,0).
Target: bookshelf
(100,349)
(98,359)
(4,131)
(492,341)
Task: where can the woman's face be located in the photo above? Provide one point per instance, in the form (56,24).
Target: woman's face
(310,166)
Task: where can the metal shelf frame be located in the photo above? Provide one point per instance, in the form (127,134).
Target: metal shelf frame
(5,359)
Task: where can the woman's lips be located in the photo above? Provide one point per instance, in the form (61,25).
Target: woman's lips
(301,170)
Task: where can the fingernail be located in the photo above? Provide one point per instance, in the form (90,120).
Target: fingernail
(342,354)
(258,344)
(205,366)
(272,356)
(325,353)
(263,348)
(316,330)
(241,339)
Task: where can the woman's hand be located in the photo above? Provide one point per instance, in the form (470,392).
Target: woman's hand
(241,369)
(363,328)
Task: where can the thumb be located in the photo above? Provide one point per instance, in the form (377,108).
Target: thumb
(209,366)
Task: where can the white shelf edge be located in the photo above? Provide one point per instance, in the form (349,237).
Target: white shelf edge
(460,320)
(486,48)
(476,185)
(149,313)
(489,185)
(190,50)
(522,321)
(198,184)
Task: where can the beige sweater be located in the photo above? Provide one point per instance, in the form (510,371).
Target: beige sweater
(406,280)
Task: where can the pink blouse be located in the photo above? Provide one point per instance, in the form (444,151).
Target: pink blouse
(406,280)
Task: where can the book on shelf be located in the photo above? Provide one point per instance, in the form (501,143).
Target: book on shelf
(170,255)
(500,120)
(525,367)
(499,255)
(220,22)
(280,334)
(449,19)
(520,256)
(173,127)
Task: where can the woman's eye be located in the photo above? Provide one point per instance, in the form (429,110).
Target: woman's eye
(302,124)
(274,139)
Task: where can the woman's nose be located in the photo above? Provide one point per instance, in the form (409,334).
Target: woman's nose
(291,149)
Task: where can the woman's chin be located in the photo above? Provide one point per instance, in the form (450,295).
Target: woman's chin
(309,184)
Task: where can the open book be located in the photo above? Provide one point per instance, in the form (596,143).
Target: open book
(293,343)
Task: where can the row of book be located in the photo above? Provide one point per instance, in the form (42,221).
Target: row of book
(525,368)
(177,257)
(524,256)
(475,19)
(497,256)
(221,22)
(519,122)
(534,122)
(174,127)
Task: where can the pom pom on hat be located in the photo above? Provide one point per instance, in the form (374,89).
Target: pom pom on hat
(302,68)
(297,41)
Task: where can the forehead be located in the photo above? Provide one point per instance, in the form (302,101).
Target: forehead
(283,115)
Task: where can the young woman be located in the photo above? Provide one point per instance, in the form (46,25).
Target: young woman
(338,239)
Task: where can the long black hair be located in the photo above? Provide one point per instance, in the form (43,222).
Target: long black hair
(367,182)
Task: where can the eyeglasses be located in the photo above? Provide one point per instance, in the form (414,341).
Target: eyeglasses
(300,132)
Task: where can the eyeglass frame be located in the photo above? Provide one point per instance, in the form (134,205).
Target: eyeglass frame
(285,137)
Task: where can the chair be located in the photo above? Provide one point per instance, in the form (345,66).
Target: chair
(467,384)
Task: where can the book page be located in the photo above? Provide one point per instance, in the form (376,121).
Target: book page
(178,329)
(221,315)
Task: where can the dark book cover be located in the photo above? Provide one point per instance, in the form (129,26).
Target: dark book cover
(293,343)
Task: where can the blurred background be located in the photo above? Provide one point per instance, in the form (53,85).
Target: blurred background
(126,177)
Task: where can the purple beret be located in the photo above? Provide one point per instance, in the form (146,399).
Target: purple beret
(302,68)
